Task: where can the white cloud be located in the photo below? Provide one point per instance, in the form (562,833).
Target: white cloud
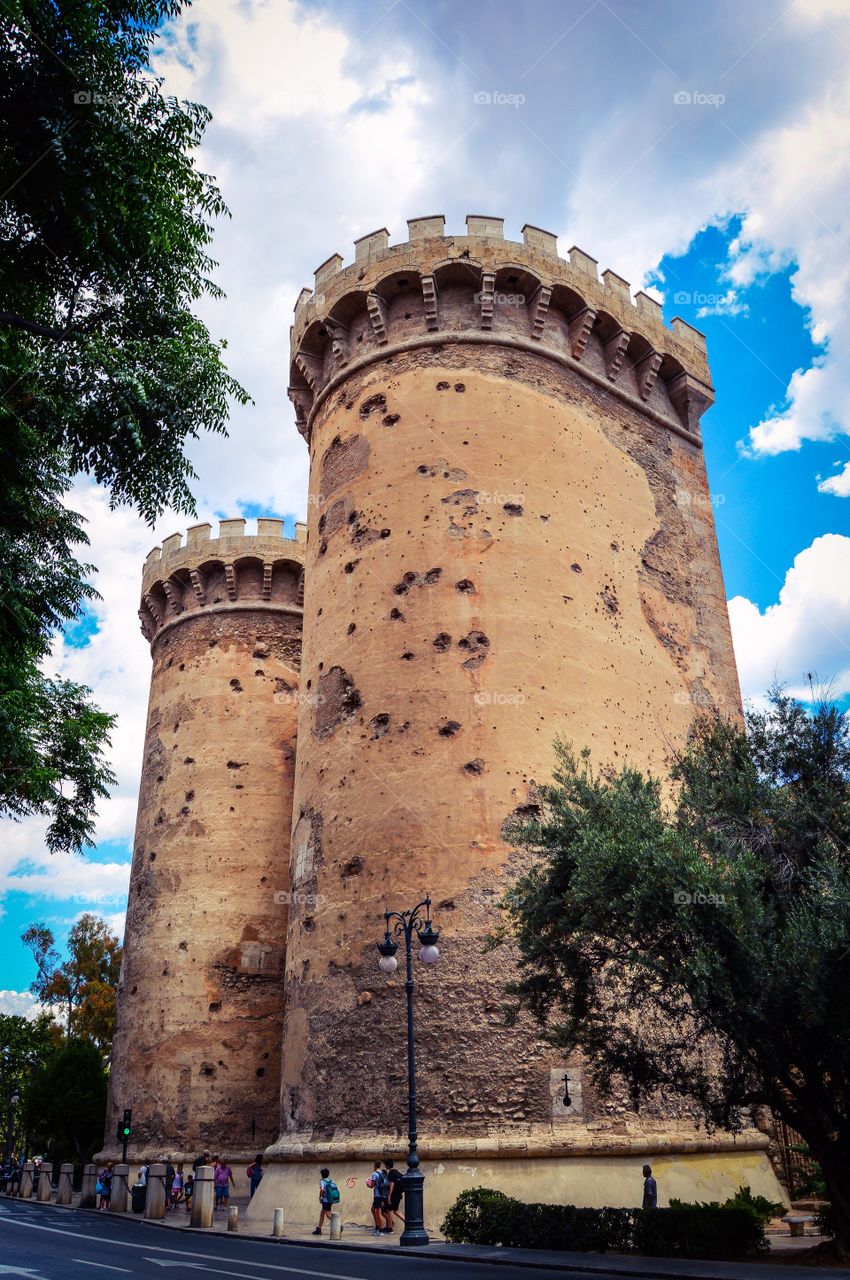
(22,1003)
(807,630)
(838,485)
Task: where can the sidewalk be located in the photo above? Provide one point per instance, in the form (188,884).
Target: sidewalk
(357,1237)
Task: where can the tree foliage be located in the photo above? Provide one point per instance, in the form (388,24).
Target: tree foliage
(65,1103)
(24,1042)
(694,938)
(84,986)
(105,224)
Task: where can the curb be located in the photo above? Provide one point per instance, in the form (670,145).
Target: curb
(607,1265)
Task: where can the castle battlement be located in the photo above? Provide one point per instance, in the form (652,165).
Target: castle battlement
(235,570)
(434,289)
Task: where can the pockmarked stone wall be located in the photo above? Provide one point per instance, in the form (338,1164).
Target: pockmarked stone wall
(200,1003)
(510,539)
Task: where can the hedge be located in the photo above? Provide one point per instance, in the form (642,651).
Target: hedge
(731,1230)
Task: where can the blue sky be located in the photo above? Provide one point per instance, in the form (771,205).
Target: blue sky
(700,151)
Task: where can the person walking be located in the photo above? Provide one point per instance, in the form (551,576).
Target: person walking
(170,1172)
(104,1185)
(254,1174)
(379,1186)
(223,1181)
(650,1189)
(394,1194)
(143,1175)
(188,1192)
(177,1186)
(328,1197)
(199,1160)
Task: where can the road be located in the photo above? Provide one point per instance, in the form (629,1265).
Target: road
(44,1243)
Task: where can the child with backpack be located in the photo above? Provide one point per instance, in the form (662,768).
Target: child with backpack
(328,1197)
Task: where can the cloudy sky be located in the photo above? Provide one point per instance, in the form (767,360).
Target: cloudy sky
(701,151)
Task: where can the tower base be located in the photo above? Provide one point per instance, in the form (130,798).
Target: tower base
(589,1172)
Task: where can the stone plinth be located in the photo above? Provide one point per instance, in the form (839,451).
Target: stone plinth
(120,1191)
(203,1197)
(65,1185)
(45,1179)
(155,1201)
(88,1194)
(25,1190)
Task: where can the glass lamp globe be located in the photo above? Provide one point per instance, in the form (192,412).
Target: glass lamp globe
(388,964)
(429,954)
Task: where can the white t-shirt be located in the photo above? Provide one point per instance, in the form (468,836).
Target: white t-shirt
(143,1176)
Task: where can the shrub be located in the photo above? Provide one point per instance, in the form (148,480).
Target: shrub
(731,1230)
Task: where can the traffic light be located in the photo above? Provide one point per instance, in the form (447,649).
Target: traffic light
(125,1128)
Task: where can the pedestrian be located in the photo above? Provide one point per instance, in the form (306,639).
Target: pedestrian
(177,1186)
(188,1192)
(650,1189)
(103,1187)
(379,1186)
(169,1179)
(254,1174)
(199,1160)
(394,1194)
(223,1180)
(328,1197)
(143,1175)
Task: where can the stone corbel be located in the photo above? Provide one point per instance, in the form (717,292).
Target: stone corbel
(690,399)
(199,586)
(175,604)
(152,608)
(147,623)
(487,297)
(300,596)
(538,309)
(267,581)
(311,368)
(430,298)
(614,351)
(230,579)
(338,335)
(302,401)
(579,331)
(646,372)
(377,310)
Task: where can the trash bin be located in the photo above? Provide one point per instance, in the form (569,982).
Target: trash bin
(138,1194)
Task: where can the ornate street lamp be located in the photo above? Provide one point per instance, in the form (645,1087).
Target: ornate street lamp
(404,924)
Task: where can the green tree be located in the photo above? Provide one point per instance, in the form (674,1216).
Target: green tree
(694,938)
(64,1107)
(105,222)
(24,1042)
(84,985)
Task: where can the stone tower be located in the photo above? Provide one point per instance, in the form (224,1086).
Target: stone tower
(200,1007)
(510,538)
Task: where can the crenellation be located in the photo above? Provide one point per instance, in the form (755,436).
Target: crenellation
(172,543)
(231,528)
(482,224)
(583,262)
(425,228)
(617,285)
(649,308)
(197,533)
(367,246)
(537,238)
(328,268)
(688,333)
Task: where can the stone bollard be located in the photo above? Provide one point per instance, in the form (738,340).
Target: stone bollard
(277,1225)
(155,1203)
(25,1191)
(233,1218)
(45,1180)
(65,1188)
(203,1197)
(118,1198)
(88,1195)
(336,1225)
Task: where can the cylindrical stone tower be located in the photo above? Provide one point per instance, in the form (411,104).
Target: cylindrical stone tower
(510,539)
(200,1003)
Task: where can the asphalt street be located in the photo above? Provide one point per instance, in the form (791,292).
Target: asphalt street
(45,1243)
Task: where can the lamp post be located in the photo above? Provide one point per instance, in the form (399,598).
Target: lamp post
(403,924)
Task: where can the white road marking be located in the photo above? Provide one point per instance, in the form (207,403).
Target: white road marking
(218,1271)
(87,1262)
(21,1271)
(19,1221)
